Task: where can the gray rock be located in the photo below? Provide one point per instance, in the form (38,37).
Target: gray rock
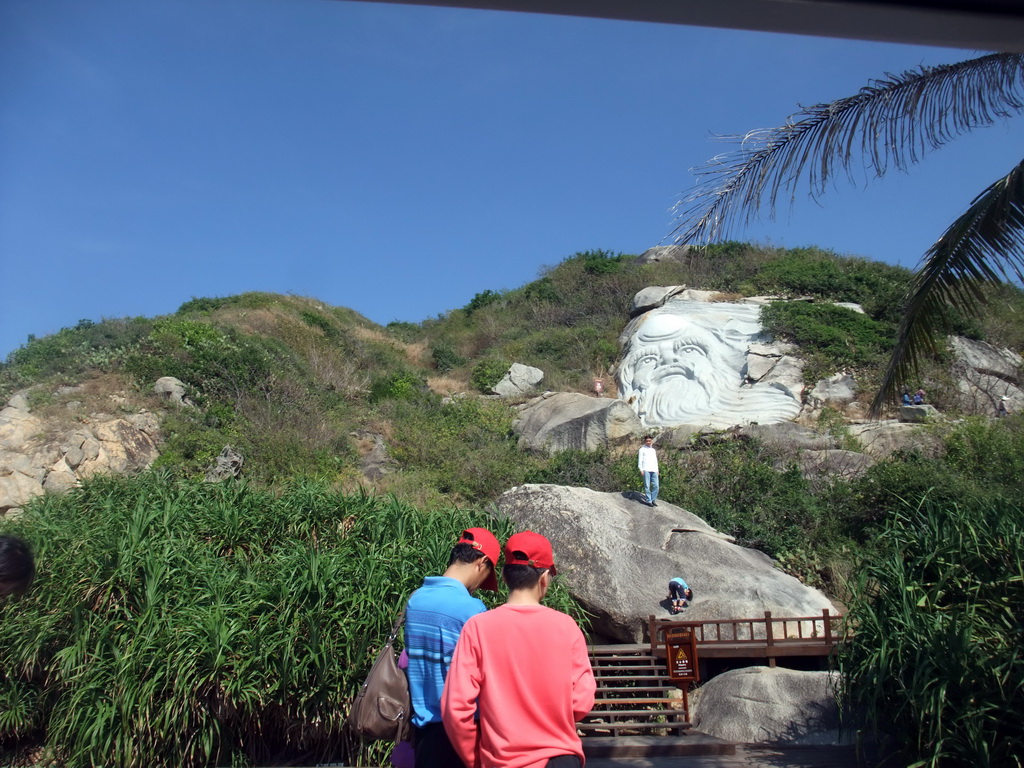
(918,414)
(172,390)
(984,375)
(374,460)
(881,439)
(571,421)
(788,438)
(653,297)
(226,466)
(16,489)
(60,478)
(18,401)
(663,253)
(618,555)
(519,380)
(768,705)
(838,389)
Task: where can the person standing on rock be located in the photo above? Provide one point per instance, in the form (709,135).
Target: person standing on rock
(647,461)
(434,619)
(1001,407)
(520,679)
(17,567)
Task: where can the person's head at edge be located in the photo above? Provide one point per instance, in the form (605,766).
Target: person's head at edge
(529,564)
(474,560)
(17,567)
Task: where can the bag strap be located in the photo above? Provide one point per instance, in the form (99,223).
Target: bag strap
(396,628)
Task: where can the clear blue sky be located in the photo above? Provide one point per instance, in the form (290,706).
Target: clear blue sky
(395,159)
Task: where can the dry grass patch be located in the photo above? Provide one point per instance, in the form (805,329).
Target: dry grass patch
(448,385)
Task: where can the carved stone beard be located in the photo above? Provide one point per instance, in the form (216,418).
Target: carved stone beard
(676,395)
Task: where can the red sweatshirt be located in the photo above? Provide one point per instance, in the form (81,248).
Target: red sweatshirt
(526,669)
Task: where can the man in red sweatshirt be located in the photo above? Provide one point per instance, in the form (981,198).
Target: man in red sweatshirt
(525,669)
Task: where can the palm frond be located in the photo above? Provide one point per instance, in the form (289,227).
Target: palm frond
(982,247)
(891,123)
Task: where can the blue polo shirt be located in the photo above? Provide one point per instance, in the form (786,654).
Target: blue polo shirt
(434,619)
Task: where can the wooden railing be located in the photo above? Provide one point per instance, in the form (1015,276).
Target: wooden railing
(767,637)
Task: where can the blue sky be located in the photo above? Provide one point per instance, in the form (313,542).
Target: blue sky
(396,159)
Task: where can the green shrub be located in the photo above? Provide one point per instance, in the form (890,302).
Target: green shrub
(481,300)
(935,658)
(317,320)
(601,262)
(445,356)
(831,337)
(209,624)
(487,373)
(402,385)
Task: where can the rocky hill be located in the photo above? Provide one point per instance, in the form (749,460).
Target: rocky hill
(270,387)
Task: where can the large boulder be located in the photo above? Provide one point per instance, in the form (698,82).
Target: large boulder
(618,556)
(768,705)
(837,390)
(518,380)
(571,421)
(881,439)
(918,414)
(985,375)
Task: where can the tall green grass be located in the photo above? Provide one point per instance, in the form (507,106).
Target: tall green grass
(937,658)
(177,623)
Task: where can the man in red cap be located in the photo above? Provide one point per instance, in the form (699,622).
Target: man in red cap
(520,679)
(433,620)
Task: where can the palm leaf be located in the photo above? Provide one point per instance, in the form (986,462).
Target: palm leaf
(982,247)
(891,123)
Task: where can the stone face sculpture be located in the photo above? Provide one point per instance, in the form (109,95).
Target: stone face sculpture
(686,362)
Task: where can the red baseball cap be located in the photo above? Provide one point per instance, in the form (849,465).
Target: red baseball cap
(485,541)
(533,549)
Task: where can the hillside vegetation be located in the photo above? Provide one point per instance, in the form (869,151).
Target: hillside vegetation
(301,389)
(219,595)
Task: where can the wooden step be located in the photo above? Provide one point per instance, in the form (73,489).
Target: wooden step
(693,744)
(666,704)
(640,713)
(632,726)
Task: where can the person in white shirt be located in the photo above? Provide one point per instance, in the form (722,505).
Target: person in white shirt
(647,460)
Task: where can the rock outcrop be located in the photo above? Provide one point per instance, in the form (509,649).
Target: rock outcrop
(571,421)
(37,456)
(518,380)
(768,705)
(618,556)
(986,374)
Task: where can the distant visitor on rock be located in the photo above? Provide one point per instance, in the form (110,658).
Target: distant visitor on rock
(17,566)
(919,396)
(686,363)
(647,461)
(679,593)
(1001,410)
(906,398)
(598,387)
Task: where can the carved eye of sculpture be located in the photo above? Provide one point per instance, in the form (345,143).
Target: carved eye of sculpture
(687,348)
(646,360)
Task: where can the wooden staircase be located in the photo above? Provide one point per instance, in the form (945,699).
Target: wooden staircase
(638,711)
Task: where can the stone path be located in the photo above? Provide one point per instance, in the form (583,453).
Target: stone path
(747,756)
